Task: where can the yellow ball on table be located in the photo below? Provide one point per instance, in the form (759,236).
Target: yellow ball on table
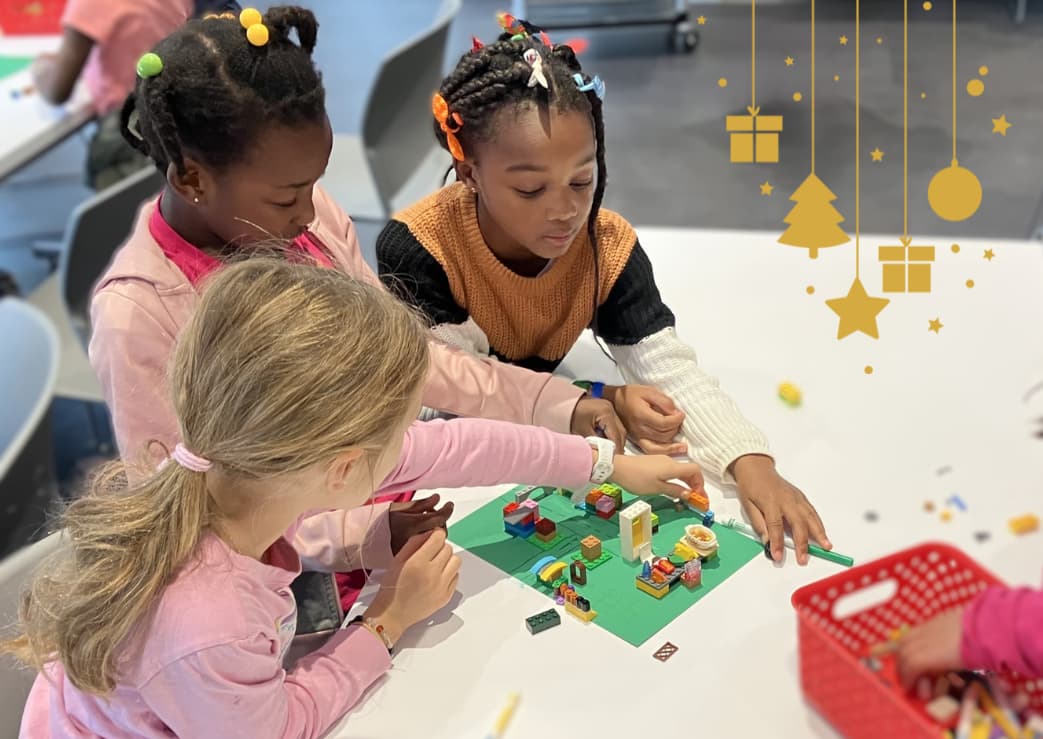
(790,394)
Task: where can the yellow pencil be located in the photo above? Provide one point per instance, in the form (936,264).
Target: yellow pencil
(505,716)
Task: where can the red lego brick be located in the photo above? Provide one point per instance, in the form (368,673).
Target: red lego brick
(665,567)
(510,508)
(545,526)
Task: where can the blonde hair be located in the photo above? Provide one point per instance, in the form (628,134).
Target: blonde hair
(283,366)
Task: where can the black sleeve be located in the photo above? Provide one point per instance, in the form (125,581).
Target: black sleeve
(409,271)
(634,310)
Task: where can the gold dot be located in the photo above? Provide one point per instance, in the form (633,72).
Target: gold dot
(722,82)
(869,369)
(797,97)
(879,39)
(983,71)
(836,78)
(955,248)
(970,283)
(810,289)
(923,95)
(927,5)
(975,88)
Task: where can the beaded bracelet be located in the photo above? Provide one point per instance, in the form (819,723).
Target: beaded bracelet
(374,628)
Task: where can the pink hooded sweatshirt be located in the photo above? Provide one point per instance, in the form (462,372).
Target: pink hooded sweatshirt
(144,300)
(1003,631)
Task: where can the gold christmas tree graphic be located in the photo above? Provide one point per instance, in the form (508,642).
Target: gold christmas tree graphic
(813,222)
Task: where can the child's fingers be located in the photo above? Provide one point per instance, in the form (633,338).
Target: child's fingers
(613,429)
(423,505)
(662,402)
(671,489)
(817,528)
(690,474)
(799,529)
(657,425)
(655,447)
(413,545)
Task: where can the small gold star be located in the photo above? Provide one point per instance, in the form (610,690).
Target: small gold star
(1000,125)
(880,39)
(857,311)
(935,325)
(843,40)
(701,20)
(988,255)
(789,61)
(766,188)
(878,156)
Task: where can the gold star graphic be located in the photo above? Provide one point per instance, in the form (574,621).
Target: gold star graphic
(878,156)
(836,78)
(701,20)
(843,40)
(789,61)
(766,188)
(1000,125)
(935,325)
(988,255)
(880,39)
(857,311)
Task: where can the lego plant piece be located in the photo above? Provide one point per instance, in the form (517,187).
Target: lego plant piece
(790,394)
(665,652)
(655,524)
(1023,524)
(635,530)
(943,709)
(542,621)
(591,547)
(578,572)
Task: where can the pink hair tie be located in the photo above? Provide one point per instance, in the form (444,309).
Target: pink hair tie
(190,461)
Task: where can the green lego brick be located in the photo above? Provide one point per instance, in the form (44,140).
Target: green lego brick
(590,563)
(544,545)
(543,621)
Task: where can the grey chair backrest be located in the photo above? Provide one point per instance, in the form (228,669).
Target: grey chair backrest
(27,478)
(95,230)
(15,680)
(397,124)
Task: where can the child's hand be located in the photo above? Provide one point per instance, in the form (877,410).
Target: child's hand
(421,580)
(596,417)
(650,417)
(650,475)
(932,647)
(406,520)
(771,502)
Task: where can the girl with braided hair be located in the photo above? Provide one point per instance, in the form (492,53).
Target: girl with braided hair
(518,257)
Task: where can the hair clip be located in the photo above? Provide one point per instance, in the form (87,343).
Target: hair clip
(545,38)
(511,25)
(149,65)
(595,85)
(450,124)
(256,32)
(134,125)
(476,44)
(536,62)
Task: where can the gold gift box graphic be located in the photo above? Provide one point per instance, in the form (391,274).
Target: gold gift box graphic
(907,269)
(754,138)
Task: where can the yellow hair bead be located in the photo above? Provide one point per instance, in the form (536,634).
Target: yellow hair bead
(250,17)
(257,34)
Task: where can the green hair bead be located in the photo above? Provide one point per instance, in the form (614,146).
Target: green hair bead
(149,65)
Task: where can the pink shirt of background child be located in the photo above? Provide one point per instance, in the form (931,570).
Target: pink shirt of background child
(122,30)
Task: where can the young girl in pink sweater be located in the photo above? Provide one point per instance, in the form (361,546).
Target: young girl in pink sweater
(167,610)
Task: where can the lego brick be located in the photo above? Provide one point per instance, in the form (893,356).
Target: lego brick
(655,521)
(655,590)
(578,572)
(552,572)
(606,506)
(665,652)
(533,507)
(523,532)
(545,545)
(542,621)
(523,494)
(617,496)
(943,709)
(582,603)
(587,616)
(594,496)
(665,567)
(543,562)
(545,526)
(591,548)
(547,538)
(591,563)
(1023,524)
(510,508)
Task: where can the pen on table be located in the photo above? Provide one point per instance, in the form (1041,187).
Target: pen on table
(813,550)
(505,717)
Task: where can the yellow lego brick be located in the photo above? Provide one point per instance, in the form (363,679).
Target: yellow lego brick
(742,148)
(587,616)
(919,278)
(1023,524)
(738,123)
(643,586)
(767,147)
(921,254)
(891,254)
(768,123)
(894,278)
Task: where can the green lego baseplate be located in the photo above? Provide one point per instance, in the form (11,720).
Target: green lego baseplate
(622,609)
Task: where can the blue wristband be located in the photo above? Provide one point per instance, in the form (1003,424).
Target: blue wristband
(597,389)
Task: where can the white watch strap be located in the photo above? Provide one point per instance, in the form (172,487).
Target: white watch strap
(603,467)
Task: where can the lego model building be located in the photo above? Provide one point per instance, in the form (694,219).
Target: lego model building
(698,542)
(635,532)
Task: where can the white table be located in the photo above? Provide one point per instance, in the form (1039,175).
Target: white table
(858,443)
(29,126)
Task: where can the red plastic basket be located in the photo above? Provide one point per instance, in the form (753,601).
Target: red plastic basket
(926,580)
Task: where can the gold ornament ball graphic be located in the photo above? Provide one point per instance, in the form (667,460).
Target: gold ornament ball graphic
(954,193)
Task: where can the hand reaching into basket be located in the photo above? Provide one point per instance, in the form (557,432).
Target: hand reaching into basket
(931,648)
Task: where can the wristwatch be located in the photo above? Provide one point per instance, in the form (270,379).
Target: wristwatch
(606,450)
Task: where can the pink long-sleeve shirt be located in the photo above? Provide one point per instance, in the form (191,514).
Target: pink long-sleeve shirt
(150,290)
(189,674)
(1003,631)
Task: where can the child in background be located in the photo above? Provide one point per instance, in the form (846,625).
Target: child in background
(102,40)
(241,133)
(518,257)
(1001,630)
(121,619)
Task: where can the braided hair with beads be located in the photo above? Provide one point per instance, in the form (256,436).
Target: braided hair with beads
(217,91)
(491,82)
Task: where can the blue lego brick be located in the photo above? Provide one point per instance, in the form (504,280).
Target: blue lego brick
(523,532)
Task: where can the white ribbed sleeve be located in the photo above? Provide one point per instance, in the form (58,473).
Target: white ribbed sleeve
(716,432)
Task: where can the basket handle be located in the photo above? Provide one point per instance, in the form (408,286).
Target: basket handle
(864,599)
